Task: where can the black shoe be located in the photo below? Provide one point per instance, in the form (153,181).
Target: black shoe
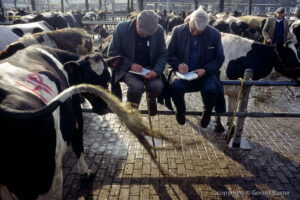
(205,119)
(219,126)
(153,108)
(180,117)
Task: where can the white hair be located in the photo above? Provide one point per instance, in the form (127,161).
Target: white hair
(200,19)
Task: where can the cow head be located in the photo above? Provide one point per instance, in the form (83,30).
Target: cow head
(288,56)
(222,26)
(92,70)
(240,28)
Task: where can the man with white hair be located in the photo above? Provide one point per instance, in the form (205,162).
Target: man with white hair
(141,43)
(196,47)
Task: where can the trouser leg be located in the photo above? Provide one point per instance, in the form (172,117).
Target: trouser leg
(209,92)
(154,88)
(135,87)
(177,89)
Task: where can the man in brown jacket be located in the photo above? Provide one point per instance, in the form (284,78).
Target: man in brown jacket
(276,28)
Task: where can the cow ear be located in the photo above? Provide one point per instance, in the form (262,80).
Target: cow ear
(71,67)
(73,72)
(114,62)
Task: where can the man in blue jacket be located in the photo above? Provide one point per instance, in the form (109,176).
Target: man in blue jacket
(141,43)
(196,47)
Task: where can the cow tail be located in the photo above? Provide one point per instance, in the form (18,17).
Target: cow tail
(129,116)
(46,110)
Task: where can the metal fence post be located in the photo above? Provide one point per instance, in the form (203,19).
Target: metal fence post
(238,140)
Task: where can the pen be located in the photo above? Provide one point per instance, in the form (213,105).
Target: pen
(184,65)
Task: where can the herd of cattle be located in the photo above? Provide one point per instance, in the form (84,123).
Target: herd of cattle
(51,52)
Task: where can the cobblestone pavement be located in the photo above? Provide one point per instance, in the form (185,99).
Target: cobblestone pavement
(124,170)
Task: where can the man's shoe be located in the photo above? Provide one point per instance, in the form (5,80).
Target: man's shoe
(153,107)
(180,117)
(205,119)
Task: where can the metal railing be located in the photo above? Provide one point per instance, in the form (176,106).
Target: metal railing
(242,112)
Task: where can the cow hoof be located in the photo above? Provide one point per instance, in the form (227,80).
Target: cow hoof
(87,176)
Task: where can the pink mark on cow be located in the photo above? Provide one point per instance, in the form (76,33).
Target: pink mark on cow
(223,34)
(38,86)
(36,80)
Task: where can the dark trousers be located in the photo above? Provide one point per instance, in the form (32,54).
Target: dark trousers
(136,88)
(208,85)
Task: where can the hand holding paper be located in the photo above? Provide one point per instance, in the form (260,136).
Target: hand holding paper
(143,72)
(150,75)
(183,68)
(187,76)
(200,72)
(136,67)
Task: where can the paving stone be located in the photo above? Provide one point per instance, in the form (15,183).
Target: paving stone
(124,169)
(124,194)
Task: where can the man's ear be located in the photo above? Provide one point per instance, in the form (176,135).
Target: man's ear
(114,62)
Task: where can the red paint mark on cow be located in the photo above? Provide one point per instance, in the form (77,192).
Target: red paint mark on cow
(36,80)
(35,92)
(223,34)
(37,86)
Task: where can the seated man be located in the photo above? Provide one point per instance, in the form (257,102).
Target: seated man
(196,47)
(141,43)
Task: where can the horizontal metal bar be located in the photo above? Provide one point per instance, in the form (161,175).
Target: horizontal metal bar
(238,114)
(261,83)
(116,15)
(100,22)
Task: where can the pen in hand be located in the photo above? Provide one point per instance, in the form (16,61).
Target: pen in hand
(183,68)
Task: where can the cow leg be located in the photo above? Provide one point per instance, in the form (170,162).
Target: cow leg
(77,142)
(56,190)
(83,170)
(5,194)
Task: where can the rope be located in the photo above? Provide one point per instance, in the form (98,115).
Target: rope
(149,116)
(234,113)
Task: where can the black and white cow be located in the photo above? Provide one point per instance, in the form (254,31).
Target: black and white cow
(89,16)
(241,53)
(237,26)
(12,33)
(295,31)
(256,25)
(69,39)
(59,20)
(32,146)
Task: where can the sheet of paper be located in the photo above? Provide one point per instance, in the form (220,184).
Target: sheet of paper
(188,76)
(142,73)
